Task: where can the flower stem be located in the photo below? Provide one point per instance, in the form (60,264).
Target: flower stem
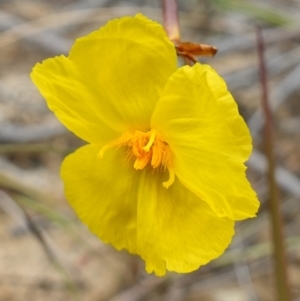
(279,251)
(171,20)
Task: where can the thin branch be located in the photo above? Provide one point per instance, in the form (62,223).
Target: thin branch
(282,285)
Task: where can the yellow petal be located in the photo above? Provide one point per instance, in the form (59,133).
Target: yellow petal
(103,193)
(171,229)
(210,141)
(126,64)
(176,231)
(72,100)
(111,80)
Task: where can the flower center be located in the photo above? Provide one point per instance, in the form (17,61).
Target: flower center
(146,148)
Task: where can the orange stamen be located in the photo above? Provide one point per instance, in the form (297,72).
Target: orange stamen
(171,179)
(147,148)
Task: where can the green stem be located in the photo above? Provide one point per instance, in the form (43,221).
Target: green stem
(279,252)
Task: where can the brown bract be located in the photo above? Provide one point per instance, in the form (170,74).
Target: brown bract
(189,51)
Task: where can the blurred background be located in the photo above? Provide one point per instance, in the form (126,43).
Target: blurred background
(45,252)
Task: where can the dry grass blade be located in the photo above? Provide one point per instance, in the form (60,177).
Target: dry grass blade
(285,90)
(244,78)
(50,41)
(12,178)
(139,291)
(287,180)
(52,251)
(30,133)
(243,272)
(58,20)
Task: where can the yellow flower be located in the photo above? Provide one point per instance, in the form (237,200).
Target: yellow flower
(163,173)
